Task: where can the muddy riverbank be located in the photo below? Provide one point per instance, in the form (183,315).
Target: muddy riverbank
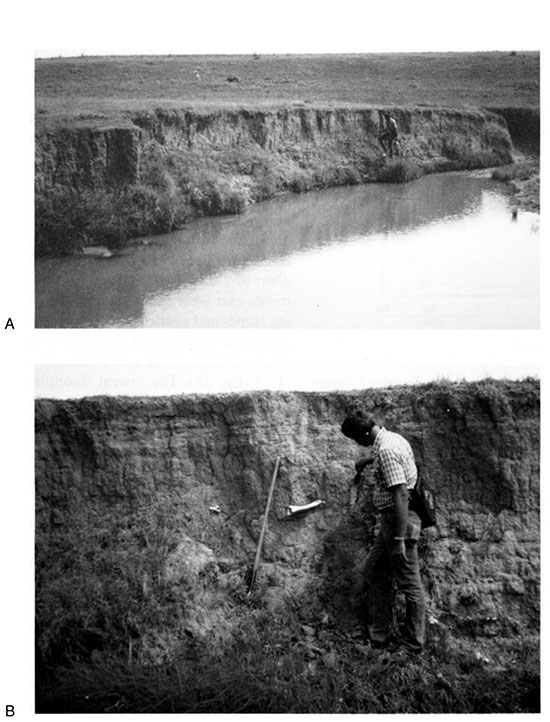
(104,186)
(524,178)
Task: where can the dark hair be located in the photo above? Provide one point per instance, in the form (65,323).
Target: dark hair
(357,423)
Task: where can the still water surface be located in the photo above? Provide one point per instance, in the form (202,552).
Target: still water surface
(441,252)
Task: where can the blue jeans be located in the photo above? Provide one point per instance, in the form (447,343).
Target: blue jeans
(381,569)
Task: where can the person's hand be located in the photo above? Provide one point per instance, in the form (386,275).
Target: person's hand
(361,463)
(398,551)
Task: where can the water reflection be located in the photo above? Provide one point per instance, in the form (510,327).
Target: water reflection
(215,271)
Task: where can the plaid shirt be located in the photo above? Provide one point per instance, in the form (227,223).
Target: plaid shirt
(393,464)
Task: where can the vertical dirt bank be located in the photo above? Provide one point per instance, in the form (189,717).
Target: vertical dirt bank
(132,492)
(523,124)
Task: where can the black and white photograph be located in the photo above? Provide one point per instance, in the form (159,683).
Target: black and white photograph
(328,551)
(274,317)
(395,190)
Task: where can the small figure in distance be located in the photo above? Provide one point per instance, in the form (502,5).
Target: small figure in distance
(388,137)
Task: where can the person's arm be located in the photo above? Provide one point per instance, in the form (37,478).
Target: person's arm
(400,516)
(359,466)
(362,462)
(394,476)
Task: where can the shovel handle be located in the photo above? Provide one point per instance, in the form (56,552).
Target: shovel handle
(264,525)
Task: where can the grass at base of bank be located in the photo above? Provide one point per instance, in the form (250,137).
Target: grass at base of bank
(524,177)
(274,666)
(522,170)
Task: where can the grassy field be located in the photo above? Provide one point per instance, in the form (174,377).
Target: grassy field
(102,88)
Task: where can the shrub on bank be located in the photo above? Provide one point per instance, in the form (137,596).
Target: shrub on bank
(55,231)
(496,135)
(516,171)
(67,222)
(214,195)
(100,601)
(399,171)
(461,156)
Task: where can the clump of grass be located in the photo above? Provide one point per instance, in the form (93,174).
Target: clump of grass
(277,665)
(521,171)
(104,600)
(462,158)
(505,174)
(496,135)
(67,221)
(495,149)
(400,170)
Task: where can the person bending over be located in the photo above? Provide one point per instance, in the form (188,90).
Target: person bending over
(394,553)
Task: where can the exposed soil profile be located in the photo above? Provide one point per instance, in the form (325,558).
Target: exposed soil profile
(149,512)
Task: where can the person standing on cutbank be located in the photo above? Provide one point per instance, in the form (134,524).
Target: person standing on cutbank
(394,553)
(388,136)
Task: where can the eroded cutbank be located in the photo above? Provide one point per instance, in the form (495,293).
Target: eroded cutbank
(149,513)
(160,168)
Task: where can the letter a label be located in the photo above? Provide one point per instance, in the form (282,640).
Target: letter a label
(9,324)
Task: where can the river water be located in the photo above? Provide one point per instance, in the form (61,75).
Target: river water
(440,252)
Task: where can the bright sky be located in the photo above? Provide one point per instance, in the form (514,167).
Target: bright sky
(286,26)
